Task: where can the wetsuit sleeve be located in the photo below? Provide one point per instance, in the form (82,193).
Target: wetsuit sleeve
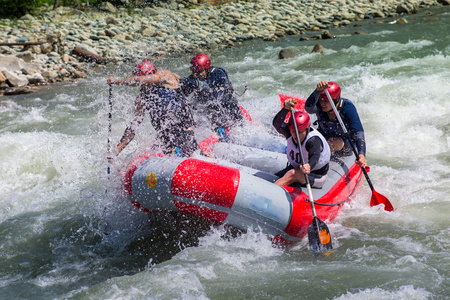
(360,142)
(279,125)
(314,146)
(188,85)
(311,104)
(354,126)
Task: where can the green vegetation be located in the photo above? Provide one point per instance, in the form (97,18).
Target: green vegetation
(14,9)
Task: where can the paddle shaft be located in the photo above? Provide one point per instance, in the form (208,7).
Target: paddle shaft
(338,116)
(302,160)
(109,125)
(245,89)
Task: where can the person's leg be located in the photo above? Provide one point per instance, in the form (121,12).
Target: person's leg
(188,143)
(335,143)
(316,180)
(291,176)
(282,172)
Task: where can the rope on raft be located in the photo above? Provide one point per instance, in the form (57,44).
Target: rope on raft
(334,204)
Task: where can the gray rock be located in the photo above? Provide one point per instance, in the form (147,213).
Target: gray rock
(20,90)
(36,78)
(27,17)
(15,80)
(2,78)
(326,35)
(49,74)
(318,48)
(108,7)
(288,53)
(13,64)
(405,8)
(112,20)
(27,56)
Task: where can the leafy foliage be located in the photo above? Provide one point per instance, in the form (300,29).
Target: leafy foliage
(16,8)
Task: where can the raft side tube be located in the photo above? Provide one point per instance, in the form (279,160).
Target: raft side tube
(151,183)
(260,203)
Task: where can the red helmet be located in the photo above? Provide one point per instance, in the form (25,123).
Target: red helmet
(302,119)
(334,89)
(144,68)
(200,62)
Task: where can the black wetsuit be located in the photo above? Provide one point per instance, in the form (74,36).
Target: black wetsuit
(350,118)
(218,99)
(171,117)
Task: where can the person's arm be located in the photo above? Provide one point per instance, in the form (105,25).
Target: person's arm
(356,131)
(355,127)
(279,125)
(278,120)
(188,85)
(161,77)
(314,146)
(311,105)
(129,133)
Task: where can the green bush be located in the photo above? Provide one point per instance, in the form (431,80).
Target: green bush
(16,8)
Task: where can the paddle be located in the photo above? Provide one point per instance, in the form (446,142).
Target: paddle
(108,146)
(318,234)
(377,198)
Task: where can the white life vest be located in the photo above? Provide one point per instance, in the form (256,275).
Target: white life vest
(293,153)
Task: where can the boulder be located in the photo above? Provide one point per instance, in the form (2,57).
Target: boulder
(49,75)
(318,48)
(112,20)
(20,90)
(27,56)
(13,64)
(288,53)
(326,35)
(2,78)
(147,31)
(405,8)
(15,80)
(79,74)
(36,78)
(108,7)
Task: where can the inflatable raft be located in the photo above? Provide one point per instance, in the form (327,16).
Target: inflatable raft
(224,192)
(237,187)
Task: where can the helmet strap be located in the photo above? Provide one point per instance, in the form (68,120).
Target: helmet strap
(339,103)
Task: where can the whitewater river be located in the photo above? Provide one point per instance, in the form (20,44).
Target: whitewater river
(57,200)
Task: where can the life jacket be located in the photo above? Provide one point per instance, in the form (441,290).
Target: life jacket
(224,93)
(160,98)
(293,153)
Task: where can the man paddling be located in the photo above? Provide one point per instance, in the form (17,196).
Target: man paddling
(318,104)
(161,93)
(313,145)
(218,100)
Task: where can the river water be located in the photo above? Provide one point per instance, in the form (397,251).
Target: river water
(68,232)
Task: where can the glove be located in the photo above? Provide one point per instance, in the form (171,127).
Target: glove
(177,152)
(223,136)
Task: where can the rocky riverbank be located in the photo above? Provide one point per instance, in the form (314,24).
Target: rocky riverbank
(66,43)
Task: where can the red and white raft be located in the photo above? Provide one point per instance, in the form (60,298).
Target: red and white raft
(227,193)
